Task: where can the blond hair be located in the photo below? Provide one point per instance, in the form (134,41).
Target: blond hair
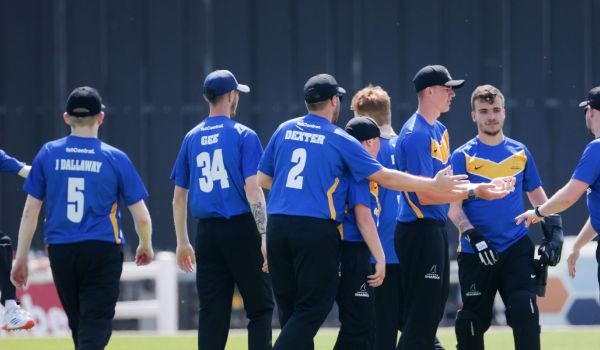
(373,101)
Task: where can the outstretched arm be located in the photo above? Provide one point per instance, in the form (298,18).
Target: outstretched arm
(560,201)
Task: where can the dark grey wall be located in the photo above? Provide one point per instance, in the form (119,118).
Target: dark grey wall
(149,58)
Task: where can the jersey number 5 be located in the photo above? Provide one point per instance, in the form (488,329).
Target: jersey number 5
(294,179)
(212,171)
(75,199)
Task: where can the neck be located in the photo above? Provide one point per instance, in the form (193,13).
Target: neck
(91,132)
(429,113)
(491,140)
(387,131)
(324,114)
(220,111)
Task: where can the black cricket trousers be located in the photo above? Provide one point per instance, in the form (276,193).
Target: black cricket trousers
(7,289)
(86,275)
(228,253)
(514,277)
(422,248)
(303,263)
(355,298)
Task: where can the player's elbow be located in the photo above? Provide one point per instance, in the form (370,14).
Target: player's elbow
(264,180)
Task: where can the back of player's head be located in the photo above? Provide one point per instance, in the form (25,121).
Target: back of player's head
(487,93)
(373,101)
(83,102)
(221,82)
(593,99)
(363,128)
(322,87)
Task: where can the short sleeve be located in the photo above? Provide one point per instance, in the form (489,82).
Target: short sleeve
(588,168)
(181,170)
(35,184)
(251,153)
(359,193)
(458,163)
(417,153)
(265,165)
(360,163)
(9,164)
(130,183)
(531,177)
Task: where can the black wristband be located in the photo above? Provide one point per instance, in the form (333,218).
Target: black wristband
(537,213)
(471,194)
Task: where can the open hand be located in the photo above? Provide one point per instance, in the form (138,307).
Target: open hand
(444,181)
(186,259)
(529,217)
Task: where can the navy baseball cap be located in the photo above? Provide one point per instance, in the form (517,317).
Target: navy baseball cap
(363,128)
(220,82)
(322,87)
(84,101)
(435,75)
(593,99)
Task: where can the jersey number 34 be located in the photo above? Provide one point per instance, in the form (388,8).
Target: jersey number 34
(212,170)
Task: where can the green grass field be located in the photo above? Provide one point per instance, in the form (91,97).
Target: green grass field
(496,339)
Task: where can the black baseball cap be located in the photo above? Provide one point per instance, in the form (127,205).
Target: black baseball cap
(322,87)
(363,128)
(435,75)
(220,82)
(84,101)
(593,99)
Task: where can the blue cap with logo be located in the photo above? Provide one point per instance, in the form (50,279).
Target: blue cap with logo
(220,82)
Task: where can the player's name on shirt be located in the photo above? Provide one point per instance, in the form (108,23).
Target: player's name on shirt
(78,165)
(209,139)
(304,136)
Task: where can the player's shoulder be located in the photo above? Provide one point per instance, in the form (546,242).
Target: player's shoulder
(242,129)
(415,127)
(514,143)
(467,147)
(595,143)
(112,151)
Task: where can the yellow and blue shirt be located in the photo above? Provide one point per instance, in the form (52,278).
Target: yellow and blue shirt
(359,192)
(422,149)
(389,200)
(81,181)
(213,163)
(307,158)
(588,171)
(482,163)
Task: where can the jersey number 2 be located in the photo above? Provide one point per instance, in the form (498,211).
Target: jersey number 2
(294,179)
(75,199)
(212,171)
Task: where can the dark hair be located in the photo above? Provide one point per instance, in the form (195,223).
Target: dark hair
(487,93)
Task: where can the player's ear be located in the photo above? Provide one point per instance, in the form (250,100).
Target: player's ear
(100,118)
(66,119)
(473,116)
